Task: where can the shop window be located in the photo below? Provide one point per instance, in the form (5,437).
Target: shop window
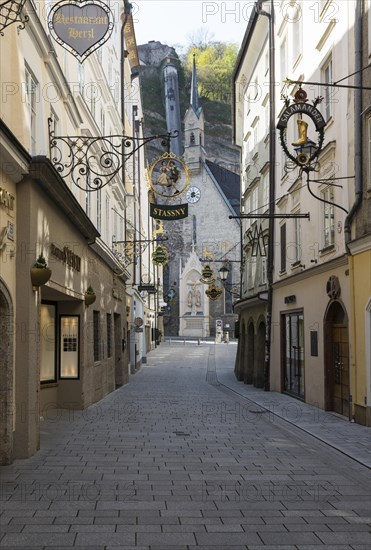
(31,91)
(328,217)
(283,247)
(109,335)
(293,338)
(47,342)
(69,346)
(329,91)
(96,335)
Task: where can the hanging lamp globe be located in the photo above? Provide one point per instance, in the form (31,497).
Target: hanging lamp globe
(207,272)
(160,255)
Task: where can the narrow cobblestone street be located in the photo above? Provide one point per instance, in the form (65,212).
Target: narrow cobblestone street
(176,460)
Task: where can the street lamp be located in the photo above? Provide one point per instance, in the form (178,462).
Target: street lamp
(223,273)
(304,154)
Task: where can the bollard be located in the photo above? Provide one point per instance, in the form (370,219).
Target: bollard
(199,342)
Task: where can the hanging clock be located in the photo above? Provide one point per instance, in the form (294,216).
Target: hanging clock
(193,194)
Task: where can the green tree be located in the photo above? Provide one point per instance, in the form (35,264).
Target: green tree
(215,62)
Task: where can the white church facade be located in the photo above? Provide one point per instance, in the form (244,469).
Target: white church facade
(206,236)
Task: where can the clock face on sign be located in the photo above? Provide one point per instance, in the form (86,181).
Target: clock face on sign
(193,194)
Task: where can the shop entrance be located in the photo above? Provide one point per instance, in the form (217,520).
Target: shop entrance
(336,343)
(6,376)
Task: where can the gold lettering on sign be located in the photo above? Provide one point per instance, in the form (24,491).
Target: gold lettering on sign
(61,19)
(6,199)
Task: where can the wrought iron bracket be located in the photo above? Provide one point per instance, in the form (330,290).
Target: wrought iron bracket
(11,12)
(93,162)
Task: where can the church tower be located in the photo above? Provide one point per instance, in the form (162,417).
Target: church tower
(194,122)
(172,104)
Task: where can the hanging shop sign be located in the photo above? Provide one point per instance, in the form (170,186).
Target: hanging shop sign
(207,275)
(304,150)
(160,255)
(168,177)
(81,27)
(213,292)
(131,43)
(168,211)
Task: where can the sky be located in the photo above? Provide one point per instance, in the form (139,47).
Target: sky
(173,21)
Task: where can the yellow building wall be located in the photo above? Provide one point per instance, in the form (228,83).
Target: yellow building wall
(360,269)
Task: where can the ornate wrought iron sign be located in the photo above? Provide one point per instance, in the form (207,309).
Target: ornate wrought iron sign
(93,162)
(168,176)
(257,241)
(213,292)
(81,26)
(11,12)
(300,107)
(160,255)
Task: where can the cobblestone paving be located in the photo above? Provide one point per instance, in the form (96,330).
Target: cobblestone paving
(175,461)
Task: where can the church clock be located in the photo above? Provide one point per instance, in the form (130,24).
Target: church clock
(193,194)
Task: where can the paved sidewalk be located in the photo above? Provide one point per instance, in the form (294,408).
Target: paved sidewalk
(351,439)
(176,460)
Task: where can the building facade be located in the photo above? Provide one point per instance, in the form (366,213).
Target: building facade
(66,339)
(358,228)
(310,354)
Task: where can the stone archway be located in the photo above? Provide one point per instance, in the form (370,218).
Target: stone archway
(250,352)
(336,353)
(259,356)
(239,370)
(6,375)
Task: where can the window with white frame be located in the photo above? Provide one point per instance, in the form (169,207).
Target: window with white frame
(248,211)
(283,59)
(108,218)
(328,217)
(297,34)
(254,204)
(255,129)
(102,121)
(263,270)
(328,92)
(98,194)
(297,238)
(31,99)
(265,198)
(81,77)
(251,272)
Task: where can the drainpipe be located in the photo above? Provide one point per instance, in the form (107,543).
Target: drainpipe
(124,18)
(357,124)
(272,185)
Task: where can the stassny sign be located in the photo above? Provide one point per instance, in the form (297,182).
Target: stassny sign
(169,212)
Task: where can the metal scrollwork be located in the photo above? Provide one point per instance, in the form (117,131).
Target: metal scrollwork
(93,162)
(11,12)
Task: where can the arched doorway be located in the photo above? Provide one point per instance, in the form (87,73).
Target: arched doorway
(249,359)
(6,375)
(260,356)
(336,347)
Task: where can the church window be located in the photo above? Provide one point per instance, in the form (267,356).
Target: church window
(192,140)
(194,229)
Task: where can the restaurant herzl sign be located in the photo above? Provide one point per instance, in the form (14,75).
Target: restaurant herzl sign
(81,27)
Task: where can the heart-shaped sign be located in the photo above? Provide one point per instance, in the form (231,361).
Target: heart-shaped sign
(81,27)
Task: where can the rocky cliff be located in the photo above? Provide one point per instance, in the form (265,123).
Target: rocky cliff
(218,127)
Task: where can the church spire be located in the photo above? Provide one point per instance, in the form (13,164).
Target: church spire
(194,90)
